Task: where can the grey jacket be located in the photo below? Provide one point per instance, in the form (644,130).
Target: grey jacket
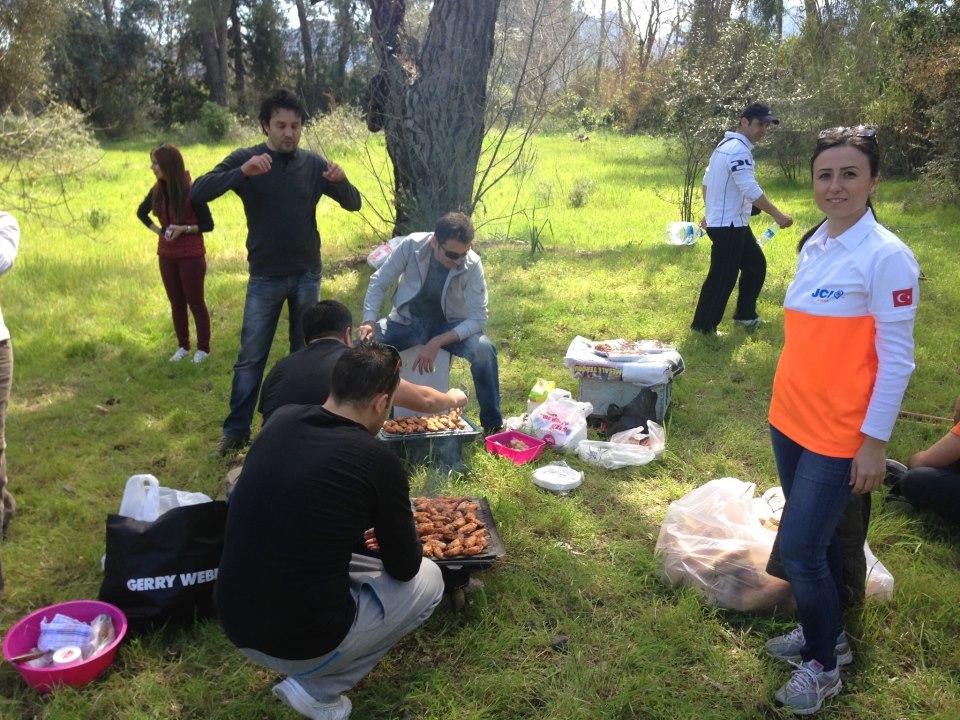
(464,297)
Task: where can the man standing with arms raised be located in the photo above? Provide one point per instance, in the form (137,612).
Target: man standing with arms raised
(280,186)
(730,192)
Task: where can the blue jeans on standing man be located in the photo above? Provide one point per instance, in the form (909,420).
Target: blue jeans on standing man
(478,350)
(261,311)
(817,488)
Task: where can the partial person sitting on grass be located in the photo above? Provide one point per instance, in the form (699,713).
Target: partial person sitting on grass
(303,377)
(440,302)
(9,244)
(931,479)
(291,592)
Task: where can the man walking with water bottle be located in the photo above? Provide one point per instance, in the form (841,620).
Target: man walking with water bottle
(730,192)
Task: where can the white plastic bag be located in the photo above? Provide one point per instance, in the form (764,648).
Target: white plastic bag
(561,422)
(712,540)
(654,438)
(879,579)
(144,498)
(613,455)
(378,256)
(683,233)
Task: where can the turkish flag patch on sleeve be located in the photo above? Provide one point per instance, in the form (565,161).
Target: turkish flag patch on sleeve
(903,297)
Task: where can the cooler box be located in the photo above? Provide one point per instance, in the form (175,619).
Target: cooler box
(603,393)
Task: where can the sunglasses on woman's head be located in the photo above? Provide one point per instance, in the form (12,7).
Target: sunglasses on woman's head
(864,131)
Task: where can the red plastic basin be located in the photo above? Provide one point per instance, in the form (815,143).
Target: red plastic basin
(22,638)
(499,444)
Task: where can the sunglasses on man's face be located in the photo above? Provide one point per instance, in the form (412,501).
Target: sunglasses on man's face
(451,255)
(864,131)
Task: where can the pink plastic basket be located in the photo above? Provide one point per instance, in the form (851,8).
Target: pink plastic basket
(22,638)
(499,444)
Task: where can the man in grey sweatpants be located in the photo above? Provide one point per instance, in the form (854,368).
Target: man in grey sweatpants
(295,590)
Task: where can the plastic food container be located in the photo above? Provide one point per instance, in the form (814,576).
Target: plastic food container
(22,638)
(557,477)
(499,444)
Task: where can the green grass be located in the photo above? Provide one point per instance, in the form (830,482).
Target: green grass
(91,327)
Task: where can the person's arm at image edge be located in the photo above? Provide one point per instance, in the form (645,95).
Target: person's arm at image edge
(943,453)
(423,398)
(9,241)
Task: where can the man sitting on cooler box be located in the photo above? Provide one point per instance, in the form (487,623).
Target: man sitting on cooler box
(291,593)
(440,302)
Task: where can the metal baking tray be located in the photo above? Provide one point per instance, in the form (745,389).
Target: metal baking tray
(494,551)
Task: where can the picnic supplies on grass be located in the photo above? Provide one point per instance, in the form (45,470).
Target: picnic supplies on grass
(652,437)
(164,569)
(613,456)
(561,422)
(24,634)
(713,540)
(378,256)
(539,392)
(879,579)
(654,365)
(557,477)
(144,498)
(516,446)
(683,233)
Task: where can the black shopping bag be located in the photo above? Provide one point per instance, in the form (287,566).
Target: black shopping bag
(165,569)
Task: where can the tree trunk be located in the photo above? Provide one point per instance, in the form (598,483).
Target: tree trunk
(239,70)
(600,46)
(431,107)
(309,67)
(344,26)
(213,45)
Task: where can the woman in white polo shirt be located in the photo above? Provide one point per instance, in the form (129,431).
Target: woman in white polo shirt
(846,360)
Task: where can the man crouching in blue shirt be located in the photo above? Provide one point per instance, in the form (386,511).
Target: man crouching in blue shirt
(291,592)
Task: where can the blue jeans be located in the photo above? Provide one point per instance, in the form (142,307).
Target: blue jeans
(817,488)
(261,311)
(477,350)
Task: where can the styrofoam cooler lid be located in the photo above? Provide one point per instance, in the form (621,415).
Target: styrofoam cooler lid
(557,477)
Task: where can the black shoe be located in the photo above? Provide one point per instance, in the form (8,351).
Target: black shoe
(229,443)
(895,472)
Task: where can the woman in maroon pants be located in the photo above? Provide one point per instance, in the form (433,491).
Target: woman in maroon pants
(180,247)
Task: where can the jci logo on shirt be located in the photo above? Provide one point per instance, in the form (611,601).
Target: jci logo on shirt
(902,298)
(823,294)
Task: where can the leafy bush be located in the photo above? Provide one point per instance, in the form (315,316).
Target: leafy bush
(336,133)
(580,192)
(97,218)
(216,121)
(42,153)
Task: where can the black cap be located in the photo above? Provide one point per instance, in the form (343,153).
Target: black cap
(759,111)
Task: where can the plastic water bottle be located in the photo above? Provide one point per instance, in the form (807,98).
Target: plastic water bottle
(767,236)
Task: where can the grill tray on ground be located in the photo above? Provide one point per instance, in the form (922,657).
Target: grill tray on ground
(494,551)
(438,448)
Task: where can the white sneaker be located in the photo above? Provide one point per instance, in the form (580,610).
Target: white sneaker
(199,356)
(808,687)
(293,694)
(179,355)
